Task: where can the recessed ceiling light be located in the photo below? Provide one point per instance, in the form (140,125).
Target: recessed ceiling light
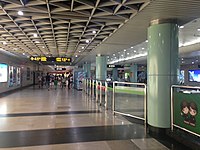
(134,51)
(181,58)
(94,32)
(76,56)
(23,53)
(198,29)
(192,62)
(20,13)
(37,42)
(127,53)
(79,51)
(143,48)
(146,41)
(181,27)
(82,47)
(132,47)
(122,55)
(42,46)
(35,35)
(115,57)
(113,54)
(124,49)
(87,41)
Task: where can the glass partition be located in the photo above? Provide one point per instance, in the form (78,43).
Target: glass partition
(185,106)
(130,99)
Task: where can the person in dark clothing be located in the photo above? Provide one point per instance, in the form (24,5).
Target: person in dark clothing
(48,78)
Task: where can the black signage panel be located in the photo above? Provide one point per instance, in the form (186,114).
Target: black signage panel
(50,59)
(115,66)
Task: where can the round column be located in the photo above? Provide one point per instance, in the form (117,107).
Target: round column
(115,74)
(133,70)
(101,67)
(162,64)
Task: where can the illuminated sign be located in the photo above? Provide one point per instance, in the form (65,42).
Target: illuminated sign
(115,66)
(48,59)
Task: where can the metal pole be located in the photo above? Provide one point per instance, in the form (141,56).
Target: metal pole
(100,93)
(96,91)
(106,95)
(113,102)
(145,104)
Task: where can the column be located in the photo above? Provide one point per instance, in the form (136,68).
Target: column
(87,70)
(162,64)
(133,74)
(115,74)
(101,67)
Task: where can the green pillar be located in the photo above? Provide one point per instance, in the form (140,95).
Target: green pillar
(101,67)
(162,64)
(87,70)
(114,74)
(133,74)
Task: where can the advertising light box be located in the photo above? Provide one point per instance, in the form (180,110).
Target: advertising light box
(3,73)
(194,75)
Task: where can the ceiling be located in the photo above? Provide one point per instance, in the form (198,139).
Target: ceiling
(61,27)
(83,28)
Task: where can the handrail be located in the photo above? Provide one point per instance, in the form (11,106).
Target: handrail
(145,100)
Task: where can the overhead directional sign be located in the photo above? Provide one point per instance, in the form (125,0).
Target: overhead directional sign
(115,66)
(50,59)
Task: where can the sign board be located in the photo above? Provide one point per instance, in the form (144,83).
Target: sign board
(114,66)
(48,59)
(186,111)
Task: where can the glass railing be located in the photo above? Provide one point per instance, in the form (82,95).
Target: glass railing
(129,99)
(185,106)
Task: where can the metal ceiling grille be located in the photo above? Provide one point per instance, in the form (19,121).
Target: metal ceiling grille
(61,27)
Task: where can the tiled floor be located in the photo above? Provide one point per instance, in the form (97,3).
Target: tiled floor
(38,119)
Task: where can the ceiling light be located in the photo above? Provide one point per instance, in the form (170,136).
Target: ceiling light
(23,53)
(76,56)
(20,13)
(37,42)
(79,51)
(124,49)
(127,53)
(181,58)
(42,46)
(132,47)
(143,48)
(35,35)
(113,54)
(198,29)
(192,62)
(122,55)
(134,51)
(146,41)
(87,41)
(94,32)
(181,27)
(4,43)
(82,47)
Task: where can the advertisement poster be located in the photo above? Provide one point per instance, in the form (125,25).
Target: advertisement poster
(10,83)
(18,76)
(28,74)
(3,73)
(186,111)
(14,75)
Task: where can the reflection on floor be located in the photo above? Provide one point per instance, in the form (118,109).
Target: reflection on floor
(38,119)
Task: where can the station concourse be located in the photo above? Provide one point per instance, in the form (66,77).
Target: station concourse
(103,75)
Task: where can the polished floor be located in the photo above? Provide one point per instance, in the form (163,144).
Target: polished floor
(38,119)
